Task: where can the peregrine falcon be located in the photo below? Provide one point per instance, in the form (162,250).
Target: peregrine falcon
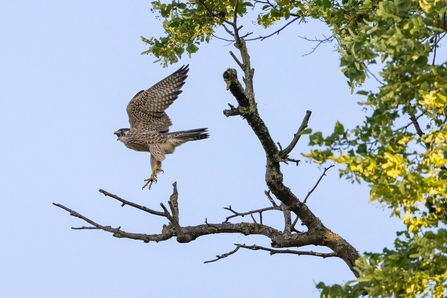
(149,124)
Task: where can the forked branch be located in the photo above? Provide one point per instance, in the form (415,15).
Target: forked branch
(272,252)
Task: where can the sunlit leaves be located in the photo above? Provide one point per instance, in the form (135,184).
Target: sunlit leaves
(400,150)
(187,24)
(417,266)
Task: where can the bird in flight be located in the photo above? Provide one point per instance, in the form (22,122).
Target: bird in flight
(149,124)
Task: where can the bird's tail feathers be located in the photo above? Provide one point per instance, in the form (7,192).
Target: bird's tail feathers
(191,135)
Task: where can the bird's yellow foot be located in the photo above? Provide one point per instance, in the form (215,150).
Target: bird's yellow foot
(153,178)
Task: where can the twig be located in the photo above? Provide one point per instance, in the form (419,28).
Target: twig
(294,224)
(318,182)
(296,161)
(284,153)
(242,214)
(241,65)
(254,220)
(416,125)
(407,125)
(228,30)
(419,131)
(117,232)
(320,42)
(279,145)
(222,256)
(380,82)
(86,228)
(288,251)
(230,41)
(267,193)
(276,32)
(132,204)
(232,111)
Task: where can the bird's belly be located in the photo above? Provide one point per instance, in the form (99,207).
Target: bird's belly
(168,148)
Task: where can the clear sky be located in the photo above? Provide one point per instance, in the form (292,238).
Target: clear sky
(68,70)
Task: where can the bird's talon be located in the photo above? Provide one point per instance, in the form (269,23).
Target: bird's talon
(149,182)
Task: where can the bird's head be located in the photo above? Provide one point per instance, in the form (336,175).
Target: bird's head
(121,133)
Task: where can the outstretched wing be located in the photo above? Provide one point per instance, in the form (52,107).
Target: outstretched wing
(147,108)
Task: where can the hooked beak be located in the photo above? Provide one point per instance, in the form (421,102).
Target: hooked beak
(117,135)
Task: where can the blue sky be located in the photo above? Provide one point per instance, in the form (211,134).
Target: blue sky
(69,69)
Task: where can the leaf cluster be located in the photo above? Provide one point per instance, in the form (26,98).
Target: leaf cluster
(400,148)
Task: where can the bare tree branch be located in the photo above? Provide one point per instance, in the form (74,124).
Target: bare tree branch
(416,125)
(237,60)
(274,177)
(374,76)
(296,161)
(319,42)
(296,137)
(188,233)
(419,131)
(222,256)
(267,193)
(294,224)
(116,232)
(288,251)
(318,182)
(272,252)
(232,111)
(132,204)
(276,32)
(251,212)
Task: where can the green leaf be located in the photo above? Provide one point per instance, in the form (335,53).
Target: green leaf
(306,131)
(191,48)
(339,128)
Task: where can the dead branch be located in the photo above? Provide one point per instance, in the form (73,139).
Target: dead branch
(222,256)
(318,182)
(294,224)
(232,111)
(272,252)
(288,251)
(116,232)
(132,204)
(267,193)
(296,161)
(188,233)
(242,214)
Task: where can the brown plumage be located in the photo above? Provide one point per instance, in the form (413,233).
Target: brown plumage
(149,124)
